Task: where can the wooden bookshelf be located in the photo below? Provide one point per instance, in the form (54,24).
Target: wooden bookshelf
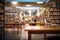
(2,20)
(55,14)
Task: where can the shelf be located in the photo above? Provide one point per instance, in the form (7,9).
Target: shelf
(2,7)
(1,13)
(1,26)
(54,7)
(12,24)
(54,11)
(1,20)
(54,15)
(56,23)
(1,33)
(1,0)
(55,19)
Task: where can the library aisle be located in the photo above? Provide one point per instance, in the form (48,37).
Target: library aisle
(16,36)
(11,35)
(31,20)
(22,35)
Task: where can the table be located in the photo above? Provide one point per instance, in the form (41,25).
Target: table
(13,26)
(42,31)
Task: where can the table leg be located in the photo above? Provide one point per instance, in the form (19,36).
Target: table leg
(29,36)
(44,36)
(18,30)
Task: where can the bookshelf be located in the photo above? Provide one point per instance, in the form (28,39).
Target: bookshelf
(11,16)
(55,14)
(2,20)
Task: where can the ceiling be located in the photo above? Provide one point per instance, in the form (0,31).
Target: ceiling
(45,4)
(27,0)
(55,0)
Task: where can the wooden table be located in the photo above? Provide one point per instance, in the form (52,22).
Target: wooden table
(12,26)
(42,31)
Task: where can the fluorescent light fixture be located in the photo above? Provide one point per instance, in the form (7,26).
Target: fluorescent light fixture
(28,5)
(39,2)
(14,2)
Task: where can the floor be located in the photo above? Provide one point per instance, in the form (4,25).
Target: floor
(11,34)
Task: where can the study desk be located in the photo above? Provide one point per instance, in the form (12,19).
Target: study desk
(42,31)
(13,26)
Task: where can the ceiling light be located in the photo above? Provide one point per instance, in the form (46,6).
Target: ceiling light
(14,2)
(28,5)
(39,2)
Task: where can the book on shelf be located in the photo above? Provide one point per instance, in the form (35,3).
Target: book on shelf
(55,14)
(1,23)
(1,17)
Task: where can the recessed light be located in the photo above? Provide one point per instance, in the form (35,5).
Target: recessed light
(28,5)
(39,2)
(14,2)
